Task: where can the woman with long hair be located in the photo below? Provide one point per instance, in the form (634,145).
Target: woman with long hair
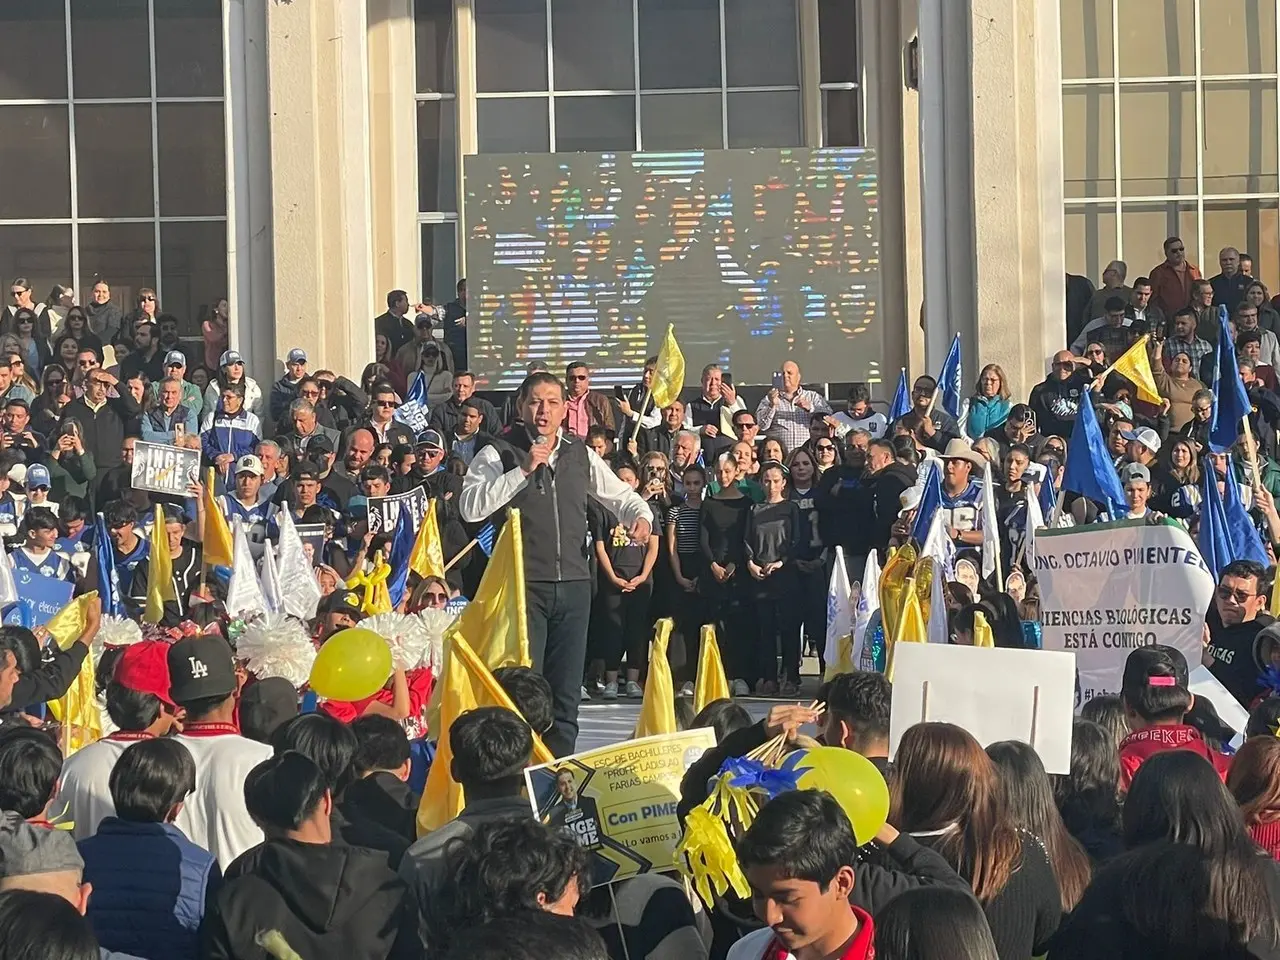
(1197,428)
(1193,877)
(811,553)
(1254,782)
(1088,797)
(65,350)
(33,347)
(773,529)
(989,405)
(55,394)
(1029,795)
(1178,480)
(216,333)
(933,923)
(76,324)
(723,525)
(949,797)
(1256,295)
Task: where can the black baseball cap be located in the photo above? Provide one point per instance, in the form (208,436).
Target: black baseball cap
(307,470)
(320,444)
(201,667)
(342,601)
(265,706)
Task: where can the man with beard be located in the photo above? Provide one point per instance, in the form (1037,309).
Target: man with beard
(885,480)
(1235,618)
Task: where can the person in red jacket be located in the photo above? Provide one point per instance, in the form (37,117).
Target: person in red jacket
(1156,699)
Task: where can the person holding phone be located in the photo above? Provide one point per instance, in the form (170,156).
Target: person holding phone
(787,410)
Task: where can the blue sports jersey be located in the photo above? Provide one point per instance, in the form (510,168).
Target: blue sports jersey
(963,511)
(260,520)
(127,563)
(53,564)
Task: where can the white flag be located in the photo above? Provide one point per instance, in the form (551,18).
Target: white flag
(8,589)
(990,525)
(868,603)
(269,577)
(939,630)
(839,610)
(299,588)
(244,593)
(938,546)
(1035,520)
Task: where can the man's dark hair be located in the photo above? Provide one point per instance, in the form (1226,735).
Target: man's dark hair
(472,404)
(464,373)
(1185,312)
(201,707)
(491,746)
(31,763)
(531,694)
(284,790)
(44,925)
(531,935)
(39,518)
(150,778)
(395,295)
(24,646)
(237,388)
(1169,242)
(1244,569)
(381,744)
(859,393)
(741,413)
(72,509)
(803,833)
(537,380)
(904,450)
(861,699)
(131,710)
(922,380)
(118,513)
(575,365)
(1142,282)
(324,740)
(1114,305)
(882,443)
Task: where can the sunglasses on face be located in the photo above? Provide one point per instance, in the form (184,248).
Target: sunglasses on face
(579,376)
(440,598)
(825,446)
(384,403)
(310,393)
(86,363)
(1239,596)
(147,299)
(16,293)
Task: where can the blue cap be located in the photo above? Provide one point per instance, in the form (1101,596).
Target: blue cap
(37,476)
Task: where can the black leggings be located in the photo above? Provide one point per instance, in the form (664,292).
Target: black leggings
(731,610)
(779,632)
(625,623)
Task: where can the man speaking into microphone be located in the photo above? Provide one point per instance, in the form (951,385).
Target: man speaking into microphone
(548,475)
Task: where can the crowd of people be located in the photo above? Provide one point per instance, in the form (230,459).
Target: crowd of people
(225,814)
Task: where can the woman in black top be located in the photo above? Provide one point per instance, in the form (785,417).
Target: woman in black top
(688,568)
(811,554)
(723,526)
(770,549)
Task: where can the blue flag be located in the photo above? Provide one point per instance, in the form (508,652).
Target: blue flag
(1088,470)
(413,412)
(930,501)
(486,536)
(1230,401)
(1048,497)
(949,380)
(1214,539)
(901,404)
(1246,542)
(401,549)
(108,575)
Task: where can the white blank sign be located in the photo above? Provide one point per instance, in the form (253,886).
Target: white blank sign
(994,693)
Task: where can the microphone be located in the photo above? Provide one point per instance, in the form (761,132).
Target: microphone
(541,470)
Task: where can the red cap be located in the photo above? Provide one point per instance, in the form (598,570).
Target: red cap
(144,666)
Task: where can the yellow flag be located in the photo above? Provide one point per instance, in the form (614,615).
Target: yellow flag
(658,709)
(426,559)
(711,684)
(1274,609)
(467,684)
(494,622)
(668,378)
(159,572)
(216,534)
(1135,366)
(844,659)
(982,635)
(78,708)
(911,628)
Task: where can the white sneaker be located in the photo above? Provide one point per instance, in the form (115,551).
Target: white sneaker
(610,691)
(687,689)
(585,696)
(634,690)
(740,688)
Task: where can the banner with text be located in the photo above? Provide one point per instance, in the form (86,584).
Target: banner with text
(384,512)
(619,802)
(1107,588)
(161,468)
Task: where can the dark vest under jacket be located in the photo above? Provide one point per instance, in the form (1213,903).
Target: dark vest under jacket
(553,519)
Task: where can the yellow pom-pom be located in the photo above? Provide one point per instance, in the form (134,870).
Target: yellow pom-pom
(705,855)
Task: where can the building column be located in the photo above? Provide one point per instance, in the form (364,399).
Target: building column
(321,194)
(991,159)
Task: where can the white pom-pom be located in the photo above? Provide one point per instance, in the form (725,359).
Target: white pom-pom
(406,636)
(114,632)
(437,624)
(276,645)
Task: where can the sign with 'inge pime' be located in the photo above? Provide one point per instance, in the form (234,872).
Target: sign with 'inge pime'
(1108,588)
(161,468)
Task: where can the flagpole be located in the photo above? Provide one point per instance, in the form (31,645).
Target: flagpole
(1253,454)
(1141,341)
(461,553)
(1057,509)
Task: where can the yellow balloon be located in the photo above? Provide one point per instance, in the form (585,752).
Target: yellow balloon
(352,664)
(855,783)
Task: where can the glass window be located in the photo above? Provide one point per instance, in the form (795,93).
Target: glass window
(1237,36)
(592,45)
(1158,140)
(1156,38)
(433,39)
(841,112)
(1088,141)
(1147,225)
(1087,49)
(193,162)
(39,252)
(1089,241)
(437,156)
(681,121)
(33,61)
(765,119)
(188,48)
(35,163)
(761,41)
(124,254)
(440,261)
(511,45)
(679,43)
(1251,226)
(113,160)
(595,123)
(837,42)
(111,49)
(513,125)
(1240,137)
(193,267)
